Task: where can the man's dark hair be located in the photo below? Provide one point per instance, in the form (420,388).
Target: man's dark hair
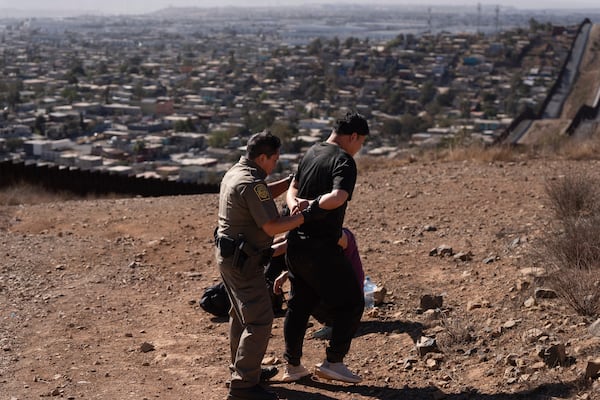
(352,122)
(262,143)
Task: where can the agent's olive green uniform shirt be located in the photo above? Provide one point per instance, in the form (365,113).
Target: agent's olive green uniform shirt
(245,204)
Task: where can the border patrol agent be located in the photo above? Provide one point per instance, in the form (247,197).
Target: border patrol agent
(248,221)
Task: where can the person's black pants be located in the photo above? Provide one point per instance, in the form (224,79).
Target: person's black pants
(320,273)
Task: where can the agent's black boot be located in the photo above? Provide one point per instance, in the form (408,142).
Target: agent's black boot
(252,393)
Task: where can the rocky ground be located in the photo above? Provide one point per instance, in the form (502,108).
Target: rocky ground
(99,298)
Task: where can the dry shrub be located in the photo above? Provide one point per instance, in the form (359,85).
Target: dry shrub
(577,246)
(580,288)
(573,196)
(572,252)
(455,333)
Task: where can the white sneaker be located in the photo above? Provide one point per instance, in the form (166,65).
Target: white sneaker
(292,373)
(336,372)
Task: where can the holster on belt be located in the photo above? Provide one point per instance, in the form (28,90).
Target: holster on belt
(225,244)
(239,255)
(240,250)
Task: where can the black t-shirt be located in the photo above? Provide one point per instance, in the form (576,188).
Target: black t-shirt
(326,167)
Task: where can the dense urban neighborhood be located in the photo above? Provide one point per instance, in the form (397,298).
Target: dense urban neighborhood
(475,209)
(168,97)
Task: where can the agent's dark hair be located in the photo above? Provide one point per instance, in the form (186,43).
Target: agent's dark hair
(262,143)
(352,122)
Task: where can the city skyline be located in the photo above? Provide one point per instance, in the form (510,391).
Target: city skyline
(145,6)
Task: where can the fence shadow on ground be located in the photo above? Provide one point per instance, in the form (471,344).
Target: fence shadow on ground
(330,391)
(333,391)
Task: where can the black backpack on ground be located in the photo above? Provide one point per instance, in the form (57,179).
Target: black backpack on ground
(216,301)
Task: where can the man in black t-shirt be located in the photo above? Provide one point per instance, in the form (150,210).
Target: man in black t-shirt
(319,271)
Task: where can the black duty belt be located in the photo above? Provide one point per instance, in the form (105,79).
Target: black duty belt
(228,247)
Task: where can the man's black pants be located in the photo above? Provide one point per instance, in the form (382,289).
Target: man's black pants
(320,273)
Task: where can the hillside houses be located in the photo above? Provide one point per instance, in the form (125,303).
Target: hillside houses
(136,100)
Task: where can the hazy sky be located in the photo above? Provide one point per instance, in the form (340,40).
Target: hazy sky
(143,6)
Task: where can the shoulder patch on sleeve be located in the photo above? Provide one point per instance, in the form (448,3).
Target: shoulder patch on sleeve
(262,192)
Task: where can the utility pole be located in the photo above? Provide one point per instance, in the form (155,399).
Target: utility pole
(497,19)
(478,17)
(429,20)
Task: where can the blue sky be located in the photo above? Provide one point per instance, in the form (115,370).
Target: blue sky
(142,6)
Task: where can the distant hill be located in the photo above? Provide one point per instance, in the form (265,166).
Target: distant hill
(8,13)
(180,12)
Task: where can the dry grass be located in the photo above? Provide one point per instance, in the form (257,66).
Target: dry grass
(369,163)
(479,152)
(581,149)
(574,196)
(580,288)
(455,333)
(553,146)
(26,193)
(474,152)
(577,246)
(572,253)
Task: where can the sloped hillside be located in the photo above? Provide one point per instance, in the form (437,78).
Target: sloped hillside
(99,297)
